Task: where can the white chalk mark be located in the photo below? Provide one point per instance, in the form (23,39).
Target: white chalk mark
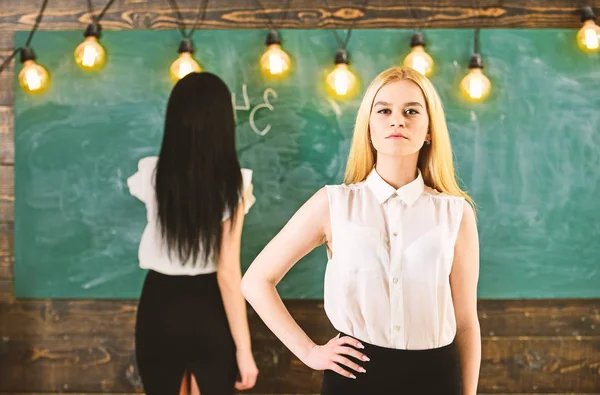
(246,105)
(111,276)
(336,107)
(266,104)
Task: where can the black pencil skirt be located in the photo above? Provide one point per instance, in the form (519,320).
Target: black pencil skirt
(399,372)
(181,327)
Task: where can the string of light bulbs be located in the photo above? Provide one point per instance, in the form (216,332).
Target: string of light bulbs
(274,62)
(341,82)
(185,63)
(475,85)
(90,55)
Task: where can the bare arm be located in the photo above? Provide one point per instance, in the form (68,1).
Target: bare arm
(229,277)
(463,281)
(307,229)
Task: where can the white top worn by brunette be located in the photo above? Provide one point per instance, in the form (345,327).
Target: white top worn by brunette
(153,253)
(388,279)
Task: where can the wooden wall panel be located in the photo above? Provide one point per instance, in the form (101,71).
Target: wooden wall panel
(6,267)
(517,318)
(6,80)
(7,193)
(88,346)
(233,14)
(7,148)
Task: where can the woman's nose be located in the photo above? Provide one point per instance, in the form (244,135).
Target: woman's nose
(397,121)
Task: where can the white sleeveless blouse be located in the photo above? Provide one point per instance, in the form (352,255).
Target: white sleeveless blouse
(387,281)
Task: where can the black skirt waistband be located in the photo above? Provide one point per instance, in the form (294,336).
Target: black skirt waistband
(430,352)
(393,371)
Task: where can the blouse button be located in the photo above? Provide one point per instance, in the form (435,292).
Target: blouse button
(395,233)
(397,327)
(395,280)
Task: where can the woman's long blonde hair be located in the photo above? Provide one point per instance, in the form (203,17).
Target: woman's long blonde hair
(435,159)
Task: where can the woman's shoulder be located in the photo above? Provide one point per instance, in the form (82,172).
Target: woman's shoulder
(437,195)
(458,204)
(147,162)
(247,193)
(140,182)
(346,187)
(343,192)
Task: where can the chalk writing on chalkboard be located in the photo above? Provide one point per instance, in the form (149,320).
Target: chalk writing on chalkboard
(246,107)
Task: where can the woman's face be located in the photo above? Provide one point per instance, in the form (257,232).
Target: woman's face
(399,121)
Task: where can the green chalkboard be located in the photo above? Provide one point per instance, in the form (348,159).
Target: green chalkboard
(529,155)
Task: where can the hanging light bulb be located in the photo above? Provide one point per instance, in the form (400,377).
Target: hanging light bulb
(33,78)
(418,59)
(90,55)
(341,82)
(476,85)
(588,37)
(184,64)
(274,61)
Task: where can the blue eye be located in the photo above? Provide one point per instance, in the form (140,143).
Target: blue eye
(411,111)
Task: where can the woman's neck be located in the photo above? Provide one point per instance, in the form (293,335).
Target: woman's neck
(397,171)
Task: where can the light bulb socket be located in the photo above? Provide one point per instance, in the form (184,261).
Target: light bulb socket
(587,14)
(186,46)
(27,54)
(476,61)
(342,56)
(417,39)
(273,38)
(93,30)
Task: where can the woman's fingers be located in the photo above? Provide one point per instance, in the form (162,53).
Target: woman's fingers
(346,362)
(352,352)
(337,368)
(350,341)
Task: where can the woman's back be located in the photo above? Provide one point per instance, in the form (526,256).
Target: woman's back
(153,252)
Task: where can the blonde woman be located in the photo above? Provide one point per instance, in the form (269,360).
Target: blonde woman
(401,237)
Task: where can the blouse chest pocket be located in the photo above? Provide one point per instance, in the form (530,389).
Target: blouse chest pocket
(357,247)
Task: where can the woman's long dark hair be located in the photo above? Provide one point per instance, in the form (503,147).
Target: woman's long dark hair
(198,176)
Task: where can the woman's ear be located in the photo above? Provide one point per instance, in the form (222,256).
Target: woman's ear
(428,137)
